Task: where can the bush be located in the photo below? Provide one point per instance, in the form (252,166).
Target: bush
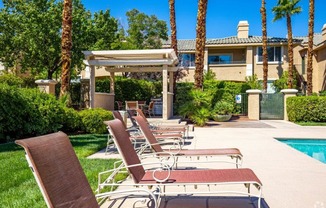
(282,83)
(223,108)
(72,121)
(198,108)
(322,93)
(28,112)
(141,89)
(310,108)
(11,80)
(92,120)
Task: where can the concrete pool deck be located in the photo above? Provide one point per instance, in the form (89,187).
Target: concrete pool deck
(290,178)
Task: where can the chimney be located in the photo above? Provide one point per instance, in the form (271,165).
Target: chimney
(323,32)
(243,29)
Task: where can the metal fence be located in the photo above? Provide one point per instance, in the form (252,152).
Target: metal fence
(272,106)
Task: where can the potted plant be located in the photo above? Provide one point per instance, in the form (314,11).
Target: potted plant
(222,111)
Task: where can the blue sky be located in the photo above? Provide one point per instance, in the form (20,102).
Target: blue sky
(222,15)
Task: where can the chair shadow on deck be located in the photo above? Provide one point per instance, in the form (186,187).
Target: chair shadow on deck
(198,202)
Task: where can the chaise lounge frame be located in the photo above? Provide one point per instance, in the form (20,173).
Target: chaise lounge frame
(160,180)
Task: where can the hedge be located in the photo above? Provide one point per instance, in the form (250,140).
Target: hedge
(92,120)
(306,108)
(29,112)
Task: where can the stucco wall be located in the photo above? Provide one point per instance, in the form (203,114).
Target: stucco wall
(275,70)
(321,75)
(237,54)
(229,72)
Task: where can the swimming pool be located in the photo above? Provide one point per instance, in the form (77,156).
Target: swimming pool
(315,148)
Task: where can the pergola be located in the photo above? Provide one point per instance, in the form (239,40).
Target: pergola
(155,60)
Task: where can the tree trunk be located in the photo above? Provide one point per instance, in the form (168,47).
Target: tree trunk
(66,45)
(200,43)
(174,43)
(265,55)
(310,45)
(290,49)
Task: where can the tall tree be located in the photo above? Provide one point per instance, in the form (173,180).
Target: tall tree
(145,32)
(66,45)
(174,43)
(310,45)
(200,43)
(31,35)
(285,9)
(265,55)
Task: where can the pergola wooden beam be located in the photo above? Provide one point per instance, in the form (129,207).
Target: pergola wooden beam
(140,69)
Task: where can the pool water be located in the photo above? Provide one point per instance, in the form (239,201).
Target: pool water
(315,148)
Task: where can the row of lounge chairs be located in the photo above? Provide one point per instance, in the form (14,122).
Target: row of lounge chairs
(63,183)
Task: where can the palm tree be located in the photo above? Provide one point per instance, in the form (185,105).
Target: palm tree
(174,42)
(66,44)
(285,9)
(200,43)
(310,45)
(265,55)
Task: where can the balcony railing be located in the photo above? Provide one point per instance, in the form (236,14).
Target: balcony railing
(227,62)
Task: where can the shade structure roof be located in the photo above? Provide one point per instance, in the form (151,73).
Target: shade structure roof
(120,59)
(151,60)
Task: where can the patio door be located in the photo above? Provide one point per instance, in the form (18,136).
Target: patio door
(271,106)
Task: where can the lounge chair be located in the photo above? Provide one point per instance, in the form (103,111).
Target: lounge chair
(163,181)
(138,139)
(60,176)
(159,126)
(131,105)
(149,110)
(119,105)
(163,133)
(233,153)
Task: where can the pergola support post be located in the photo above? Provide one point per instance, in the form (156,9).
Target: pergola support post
(92,87)
(165,92)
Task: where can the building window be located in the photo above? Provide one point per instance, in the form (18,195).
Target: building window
(220,59)
(187,59)
(274,54)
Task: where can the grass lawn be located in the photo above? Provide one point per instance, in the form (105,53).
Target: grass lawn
(311,123)
(18,187)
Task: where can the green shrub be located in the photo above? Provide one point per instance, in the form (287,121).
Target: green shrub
(282,83)
(92,120)
(11,80)
(223,107)
(72,120)
(309,108)
(28,112)
(322,93)
(253,82)
(141,89)
(198,108)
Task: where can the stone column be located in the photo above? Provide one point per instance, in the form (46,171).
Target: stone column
(47,85)
(288,93)
(253,104)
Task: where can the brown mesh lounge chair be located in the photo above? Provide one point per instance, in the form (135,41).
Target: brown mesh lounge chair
(156,147)
(163,181)
(138,139)
(162,134)
(131,105)
(181,128)
(59,174)
(159,129)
